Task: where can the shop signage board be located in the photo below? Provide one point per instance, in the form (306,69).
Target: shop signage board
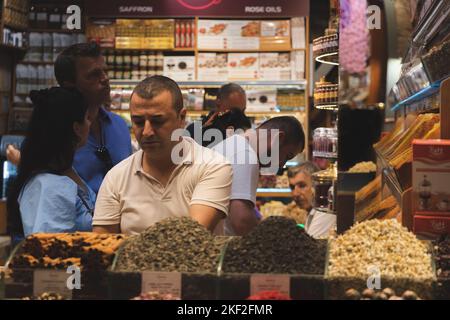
(270,282)
(54,281)
(162,282)
(200,8)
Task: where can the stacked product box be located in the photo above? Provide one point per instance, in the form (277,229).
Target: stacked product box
(431,187)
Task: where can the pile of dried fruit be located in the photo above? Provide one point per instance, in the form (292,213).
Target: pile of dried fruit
(90,251)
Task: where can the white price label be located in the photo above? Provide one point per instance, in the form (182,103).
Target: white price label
(162,282)
(263,282)
(54,281)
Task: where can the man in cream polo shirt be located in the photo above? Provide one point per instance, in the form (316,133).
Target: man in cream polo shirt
(150,185)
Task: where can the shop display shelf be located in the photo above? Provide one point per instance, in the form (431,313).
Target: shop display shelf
(20,282)
(274,192)
(332,107)
(47,30)
(422,94)
(202,84)
(183,49)
(436,19)
(249,50)
(16,27)
(12,48)
(198,113)
(335,287)
(210,286)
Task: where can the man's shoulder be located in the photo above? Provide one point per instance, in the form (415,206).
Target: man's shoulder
(208,156)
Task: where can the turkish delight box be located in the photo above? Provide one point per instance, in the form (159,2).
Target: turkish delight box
(274,66)
(243,66)
(431,226)
(212,66)
(275,35)
(228,34)
(431,177)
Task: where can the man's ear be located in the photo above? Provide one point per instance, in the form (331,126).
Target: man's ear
(183,115)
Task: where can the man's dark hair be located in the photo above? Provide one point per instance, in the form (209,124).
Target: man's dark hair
(232,118)
(65,64)
(227,89)
(290,126)
(152,86)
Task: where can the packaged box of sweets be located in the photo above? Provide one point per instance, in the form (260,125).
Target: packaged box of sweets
(431,177)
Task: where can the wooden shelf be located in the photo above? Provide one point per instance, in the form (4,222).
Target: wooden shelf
(249,114)
(183,49)
(273,193)
(246,50)
(203,84)
(9,47)
(38,63)
(15,28)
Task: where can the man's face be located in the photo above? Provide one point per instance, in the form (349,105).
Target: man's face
(287,152)
(302,190)
(234,100)
(154,120)
(275,148)
(92,80)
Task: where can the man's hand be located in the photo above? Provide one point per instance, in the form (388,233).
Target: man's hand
(115,228)
(208,217)
(13,155)
(242,217)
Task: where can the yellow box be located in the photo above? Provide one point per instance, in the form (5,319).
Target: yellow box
(157,43)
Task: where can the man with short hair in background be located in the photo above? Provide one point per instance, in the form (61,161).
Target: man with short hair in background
(318,224)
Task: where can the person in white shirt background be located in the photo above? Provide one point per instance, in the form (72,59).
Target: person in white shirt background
(318,224)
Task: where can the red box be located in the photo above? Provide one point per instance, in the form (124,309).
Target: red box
(431,178)
(431,226)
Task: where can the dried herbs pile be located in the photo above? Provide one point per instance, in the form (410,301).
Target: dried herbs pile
(173,244)
(277,245)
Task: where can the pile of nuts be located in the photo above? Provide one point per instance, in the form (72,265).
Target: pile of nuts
(363,167)
(386,294)
(385,246)
(175,244)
